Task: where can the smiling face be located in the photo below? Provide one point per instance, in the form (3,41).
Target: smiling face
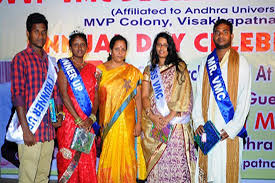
(119,51)
(222,36)
(161,48)
(78,47)
(37,36)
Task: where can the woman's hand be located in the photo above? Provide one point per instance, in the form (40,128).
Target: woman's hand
(158,121)
(137,130)
(86,124)
(165,121)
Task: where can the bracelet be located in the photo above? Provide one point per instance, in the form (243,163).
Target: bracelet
(77,121)
(61,113)
(147,111)
(92,117)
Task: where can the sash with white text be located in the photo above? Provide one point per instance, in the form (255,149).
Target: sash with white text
(78,88)
(159,94)
(219,90)
(37,109)
(77,85)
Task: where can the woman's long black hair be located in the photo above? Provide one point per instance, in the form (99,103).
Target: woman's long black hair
(172,57)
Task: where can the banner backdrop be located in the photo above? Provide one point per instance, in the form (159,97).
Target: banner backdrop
(190,22)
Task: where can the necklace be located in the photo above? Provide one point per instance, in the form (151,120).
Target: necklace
(77,64)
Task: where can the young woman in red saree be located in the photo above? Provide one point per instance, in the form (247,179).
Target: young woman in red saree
(72,165)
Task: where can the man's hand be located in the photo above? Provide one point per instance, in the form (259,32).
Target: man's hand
(59,121)
(224,135)
(199,130)
(29,138)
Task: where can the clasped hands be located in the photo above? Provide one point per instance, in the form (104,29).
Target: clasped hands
(86,124)
(160,121)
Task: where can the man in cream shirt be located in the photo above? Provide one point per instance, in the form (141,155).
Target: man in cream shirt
(230,84)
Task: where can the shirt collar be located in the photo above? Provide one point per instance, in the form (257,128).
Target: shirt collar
(30,50)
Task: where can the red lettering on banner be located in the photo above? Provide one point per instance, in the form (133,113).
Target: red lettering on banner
(245,42)
(269,119)
(140,39)
(25,1)
(53,44)
(197,42)
(79,1)
(212,43)
(178,40)
(262,43)
(90,42)
(144,42)
(201,48)
(65,43)
(99,47)
(29,1)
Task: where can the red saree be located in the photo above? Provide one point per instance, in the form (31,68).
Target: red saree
(86,168)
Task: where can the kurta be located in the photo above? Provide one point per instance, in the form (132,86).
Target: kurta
(217,156)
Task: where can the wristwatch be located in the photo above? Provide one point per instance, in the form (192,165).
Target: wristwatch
(61,113)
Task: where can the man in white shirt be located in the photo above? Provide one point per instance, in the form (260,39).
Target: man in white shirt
(222,96)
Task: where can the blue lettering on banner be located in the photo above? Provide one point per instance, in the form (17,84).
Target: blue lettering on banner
(31,122)
(77,85)
(98,21)
(156,85)
(69,69)
(145,22)
(159,95)
(42,101)
(154,74)
(40,106)
(219,91)
(36,112)
(138,11)
(235,21)
(194,73)
(157,89)
(212,65)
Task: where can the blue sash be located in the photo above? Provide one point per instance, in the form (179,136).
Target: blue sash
(119,111)
(78,88)
(219,90)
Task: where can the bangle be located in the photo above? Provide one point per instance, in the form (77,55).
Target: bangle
(77,121)
(147,111)
(92,117)
(61,113)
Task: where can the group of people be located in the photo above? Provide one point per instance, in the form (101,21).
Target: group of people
(130,106)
